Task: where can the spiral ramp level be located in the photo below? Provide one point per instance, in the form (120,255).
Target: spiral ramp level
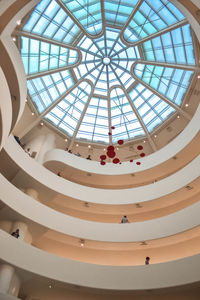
(72,244)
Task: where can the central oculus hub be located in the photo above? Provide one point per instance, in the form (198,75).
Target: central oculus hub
(106,60)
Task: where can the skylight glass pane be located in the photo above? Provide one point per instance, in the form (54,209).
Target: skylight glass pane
(69,110)
(122,115)
(151,17)
(169,82)
(95,120)
(40,56)
(84,49)
(39,88)
(118,12)
(50,20)
(171,47)
(88,13)
(150,107)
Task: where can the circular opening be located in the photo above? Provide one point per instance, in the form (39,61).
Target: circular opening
(106,60)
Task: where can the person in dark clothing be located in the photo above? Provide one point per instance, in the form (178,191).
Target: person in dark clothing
(15,233)
(147,260)
(17,139)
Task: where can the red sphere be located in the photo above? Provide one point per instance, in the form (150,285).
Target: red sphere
(109,133)
(120,142)
(102,163)
(140,147)
(111,154)
(131,160)
(103,157)
(116,160)
(142,154)
(111,148)
(138,163)
(113,127)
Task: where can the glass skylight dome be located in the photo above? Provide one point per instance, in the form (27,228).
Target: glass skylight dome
(92,65)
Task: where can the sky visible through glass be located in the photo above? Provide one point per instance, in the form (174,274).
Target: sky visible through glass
(92,65)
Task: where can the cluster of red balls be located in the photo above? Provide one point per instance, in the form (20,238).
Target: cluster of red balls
(111,152)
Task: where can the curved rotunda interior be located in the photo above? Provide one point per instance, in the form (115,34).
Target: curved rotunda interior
(103,71)
(99,72)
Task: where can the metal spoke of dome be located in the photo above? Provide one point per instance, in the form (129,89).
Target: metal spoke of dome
(96,44)
(89,52)
(43,39)
(170,65)
(80,120)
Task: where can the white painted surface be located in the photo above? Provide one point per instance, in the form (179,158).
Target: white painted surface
(94,195)
(5,109)
(195,25)
(6,275)
(4,5)
(7,297)
(130,232)
(196,2)
(168,274)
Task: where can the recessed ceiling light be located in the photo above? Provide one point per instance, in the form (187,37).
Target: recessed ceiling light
(77,145)
(89,146)
(14,39)
(82,243)
(41,123)
(117,148)
(18,22)
(198,76)
(178,117)
(26,100)
(186,104)
(144,141)
(66,140)
(155,135)
(32,113)
(104,149)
